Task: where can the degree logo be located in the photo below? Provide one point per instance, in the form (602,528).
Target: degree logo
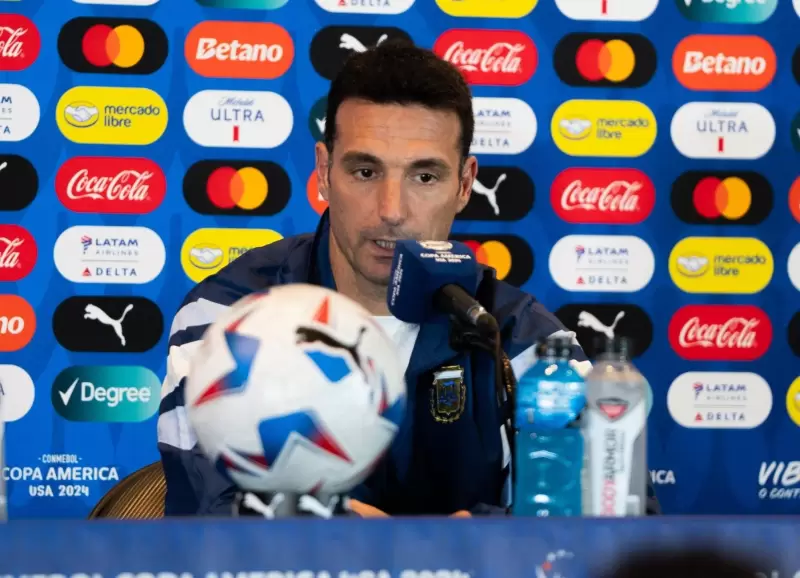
(112,45)
(245,188)
(246,4)
(17,323)
(794,199)
(20,42)
(718,62)
(110,115)
(720,198)
(316,119)
(603,128)
(487,8)
(259,50)
(608,10)
(739,265)
(793,401)
(727,11)
(510,256)
(607,60)
(206,251)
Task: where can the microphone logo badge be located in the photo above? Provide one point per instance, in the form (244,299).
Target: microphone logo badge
(448,394)
(436,245)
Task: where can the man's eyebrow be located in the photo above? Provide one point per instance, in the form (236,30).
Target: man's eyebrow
(352,157)
(355,157)
(431,163)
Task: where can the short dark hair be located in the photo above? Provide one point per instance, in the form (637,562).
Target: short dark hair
(399,72)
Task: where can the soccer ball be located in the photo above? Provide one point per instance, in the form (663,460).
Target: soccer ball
(295,389)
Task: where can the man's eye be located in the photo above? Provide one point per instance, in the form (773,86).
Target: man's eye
(365,173)
(426,178)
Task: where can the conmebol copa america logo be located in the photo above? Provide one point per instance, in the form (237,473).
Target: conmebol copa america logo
(90,254)
(616,263)
(609,10)
(723,130)
(365,6)
(238,119)
(503,126)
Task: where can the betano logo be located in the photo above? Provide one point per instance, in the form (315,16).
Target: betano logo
(106,393)
(17,323)
(206,251)
(603,128)
(609,60)
(112,45)
(109,115)
(727,11)
(724,62)
(794,199)
(743,198)
(487,8)
(739,265)
(609,10)
(793,401)
(508,255)
(315,199)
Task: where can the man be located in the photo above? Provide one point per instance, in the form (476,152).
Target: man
(395,164)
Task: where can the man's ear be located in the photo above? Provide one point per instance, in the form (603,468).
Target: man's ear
(321,168)
(468,174)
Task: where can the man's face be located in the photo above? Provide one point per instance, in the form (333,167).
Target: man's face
(393,174)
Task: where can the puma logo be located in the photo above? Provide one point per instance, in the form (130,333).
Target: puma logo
(94,313)
(309,335)
(489,193)
(350,42)
(586,319)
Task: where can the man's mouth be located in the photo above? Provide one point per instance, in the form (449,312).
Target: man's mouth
(385,244)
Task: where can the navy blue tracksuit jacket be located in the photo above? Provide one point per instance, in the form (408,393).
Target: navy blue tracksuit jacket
(432,467)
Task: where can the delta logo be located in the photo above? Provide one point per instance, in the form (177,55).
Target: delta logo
(487,8)
(603,128)
(722,198)
(17,323)
(18,253)
(20,42)
(723,130)
(720,332)
(111,115)
(365,6)
(489,57)
(727,11)
(605,60)
(737,265)
(608,10)
(503,126)
(206,251)
(112,45)
(110,185)
(510,256)
(257,50)
(602,196)
(724,63)
(242,188)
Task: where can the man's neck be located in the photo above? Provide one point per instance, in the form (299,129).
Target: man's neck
(369,295)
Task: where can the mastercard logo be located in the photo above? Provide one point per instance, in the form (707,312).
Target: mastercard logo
(742,198)
(244,188)
(510,256)
(610,60)
(112,45)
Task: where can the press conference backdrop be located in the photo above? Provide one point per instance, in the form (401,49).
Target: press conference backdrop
(639,175)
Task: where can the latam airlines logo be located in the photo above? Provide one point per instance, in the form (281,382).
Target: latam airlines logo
(365,6)
(503,126)
(610,10)
(717,400)
(727,11)
(723,130)
(19,113)
(717,62)
(720,332)
(238,119)
(89,254)
(606,263)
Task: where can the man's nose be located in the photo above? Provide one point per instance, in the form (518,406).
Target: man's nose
(391,203)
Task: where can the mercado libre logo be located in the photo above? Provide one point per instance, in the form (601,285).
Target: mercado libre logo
(793,401)
(606,60)
(106,393)
(112,45)
(741,12)
(487,8)
(722,198)
(603,128)
(109,115)
(206,251)
(245,188)
(741,265)
(510,256)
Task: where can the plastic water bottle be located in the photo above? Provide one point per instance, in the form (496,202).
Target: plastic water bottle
(614,426)
(3,497)
(549,445)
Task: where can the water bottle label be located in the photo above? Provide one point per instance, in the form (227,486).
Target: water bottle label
(550,404)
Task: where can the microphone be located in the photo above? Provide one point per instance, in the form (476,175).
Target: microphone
(430,277)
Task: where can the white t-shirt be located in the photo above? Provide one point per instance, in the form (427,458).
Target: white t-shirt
(402,334)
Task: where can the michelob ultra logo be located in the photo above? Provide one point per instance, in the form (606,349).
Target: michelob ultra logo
(603,128)
(721,265)
(110,115)
(487,8)
(206,251)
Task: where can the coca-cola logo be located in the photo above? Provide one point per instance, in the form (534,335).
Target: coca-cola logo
(493,57)
(720,332)
(19,42)
(609,195)
(110,185)
(17,252)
